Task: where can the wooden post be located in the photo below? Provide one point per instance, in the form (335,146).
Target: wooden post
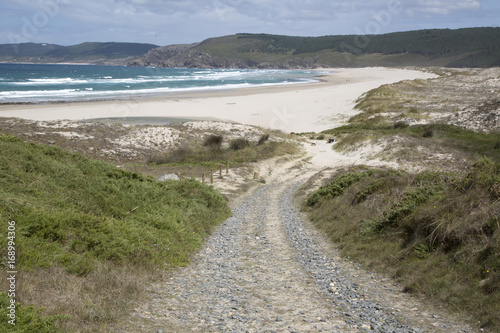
(256,175)
(227,167)
(211,176)
(203,178)
(220,170)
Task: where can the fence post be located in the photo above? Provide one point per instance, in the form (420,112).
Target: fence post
(220,170)
(211,176)
(227,167)
(203,178)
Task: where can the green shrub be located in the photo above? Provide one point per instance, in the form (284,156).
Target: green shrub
(77,212)
(484,173)
(428,133)
(28,319)
(263,139)
(370,189)
(336,187)
(400,125)
(239,144)
(213,141)
(406,206)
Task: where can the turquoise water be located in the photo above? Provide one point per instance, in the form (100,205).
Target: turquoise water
(34,83)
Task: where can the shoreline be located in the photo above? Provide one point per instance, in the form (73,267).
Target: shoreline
(301,107)
(166,94)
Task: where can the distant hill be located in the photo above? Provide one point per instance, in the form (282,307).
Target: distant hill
(472,47)
(95,53)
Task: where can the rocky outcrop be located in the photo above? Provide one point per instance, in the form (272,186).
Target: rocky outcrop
(162,56)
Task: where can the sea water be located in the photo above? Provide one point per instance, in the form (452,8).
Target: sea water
(42,83)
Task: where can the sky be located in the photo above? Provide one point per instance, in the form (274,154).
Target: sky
(165,22)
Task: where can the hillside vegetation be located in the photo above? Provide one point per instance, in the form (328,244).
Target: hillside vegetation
(89,235)
(473,47)
(437,233)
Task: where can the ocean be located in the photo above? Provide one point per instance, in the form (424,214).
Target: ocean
(44,83)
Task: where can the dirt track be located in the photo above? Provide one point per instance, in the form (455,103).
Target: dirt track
(266,270)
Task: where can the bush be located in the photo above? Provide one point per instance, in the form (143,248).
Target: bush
(428,133)
(336,187)
(238,144)
(263,139)
(28,318)
(400,125)
(320,137)
(213,141)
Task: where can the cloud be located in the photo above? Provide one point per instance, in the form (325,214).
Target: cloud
(288,9)
(440,7)
(185,21)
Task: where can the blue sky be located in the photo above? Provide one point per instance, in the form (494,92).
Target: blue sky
(165,22)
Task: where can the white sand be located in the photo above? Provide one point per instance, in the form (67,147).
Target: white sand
(309,107)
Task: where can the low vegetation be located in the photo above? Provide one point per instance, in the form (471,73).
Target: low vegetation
(455,97)
(469,144)
(437,233)
(213,152)
(89,235)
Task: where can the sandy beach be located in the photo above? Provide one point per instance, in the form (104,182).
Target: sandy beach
(311,107)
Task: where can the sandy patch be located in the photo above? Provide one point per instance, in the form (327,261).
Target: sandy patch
(157,137)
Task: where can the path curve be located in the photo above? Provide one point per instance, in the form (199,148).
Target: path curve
(265,270)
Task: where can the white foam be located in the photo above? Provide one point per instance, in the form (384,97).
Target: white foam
(67,80)
(102,87)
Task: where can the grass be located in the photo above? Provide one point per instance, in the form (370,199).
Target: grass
(437,233)
(381,99)
(93,233)
(472,144)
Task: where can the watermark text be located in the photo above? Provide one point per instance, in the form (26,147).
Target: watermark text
(11,272)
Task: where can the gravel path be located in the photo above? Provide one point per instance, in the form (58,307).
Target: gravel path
(263,270)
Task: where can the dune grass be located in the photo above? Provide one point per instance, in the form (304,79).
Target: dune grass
(89,234)
(473,144)
(237,152)
(437,233)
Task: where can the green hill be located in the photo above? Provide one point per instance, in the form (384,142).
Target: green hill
(472,47)
(90,223)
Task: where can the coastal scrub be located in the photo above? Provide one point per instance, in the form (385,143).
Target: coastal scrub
(437,233)
(83,220)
